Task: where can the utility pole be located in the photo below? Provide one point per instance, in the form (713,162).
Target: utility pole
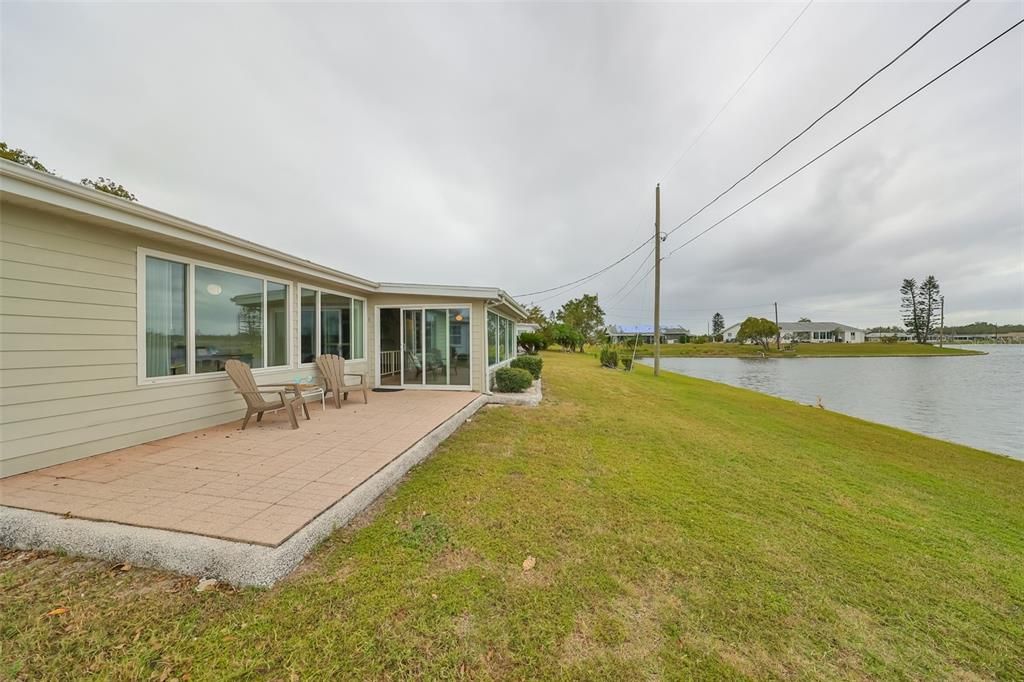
(778,331)
(942,318)
(657,279)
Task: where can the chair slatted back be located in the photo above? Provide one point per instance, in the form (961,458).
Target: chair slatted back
(332,367)
(241,375)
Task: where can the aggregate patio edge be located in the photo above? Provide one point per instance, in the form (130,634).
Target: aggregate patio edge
(531,397)
(237,563)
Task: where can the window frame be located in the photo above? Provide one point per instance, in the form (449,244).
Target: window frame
(299,286)
(506,344)
(190,264)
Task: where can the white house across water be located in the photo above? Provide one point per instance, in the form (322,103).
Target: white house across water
(810,332)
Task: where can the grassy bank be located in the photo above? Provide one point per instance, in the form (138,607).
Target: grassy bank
(680,529)
(803,350)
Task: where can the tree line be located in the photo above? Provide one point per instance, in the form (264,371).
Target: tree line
(578,322)
(106,185)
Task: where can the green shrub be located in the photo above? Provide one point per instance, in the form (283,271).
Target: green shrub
(512,380)
(532,342)
(531,363)
(609,357)
(627,364)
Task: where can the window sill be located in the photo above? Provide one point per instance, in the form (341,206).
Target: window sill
(149,382)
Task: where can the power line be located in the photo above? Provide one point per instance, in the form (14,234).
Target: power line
(630,278)
(590,276)
(737,91)
(702,310)
(640,281)
(851,135)
(822,116)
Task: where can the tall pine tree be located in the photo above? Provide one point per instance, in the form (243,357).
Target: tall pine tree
(911,309)
(717,326)
(928,298)
(920,306)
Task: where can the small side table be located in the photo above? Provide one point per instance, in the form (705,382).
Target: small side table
(313,391)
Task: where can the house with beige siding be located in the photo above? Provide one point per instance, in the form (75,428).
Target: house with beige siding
(116,321)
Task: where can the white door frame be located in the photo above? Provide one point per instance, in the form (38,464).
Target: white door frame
(402,307)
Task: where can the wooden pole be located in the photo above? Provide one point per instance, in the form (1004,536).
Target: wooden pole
(942,319)
(657,279)
(778,332)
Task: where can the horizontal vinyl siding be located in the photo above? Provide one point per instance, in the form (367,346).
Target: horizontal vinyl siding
(68,346)
(68,343)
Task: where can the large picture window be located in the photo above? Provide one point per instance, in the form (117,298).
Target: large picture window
(197,317)
(331,324)
(229,319)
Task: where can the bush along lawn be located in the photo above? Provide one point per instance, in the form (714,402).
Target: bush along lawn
(629,527)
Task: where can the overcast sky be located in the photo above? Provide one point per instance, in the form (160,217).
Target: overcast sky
(519,145)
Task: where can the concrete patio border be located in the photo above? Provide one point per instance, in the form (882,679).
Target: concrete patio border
(531,397)
(238,563)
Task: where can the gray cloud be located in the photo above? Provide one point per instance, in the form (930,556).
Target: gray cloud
(518,145)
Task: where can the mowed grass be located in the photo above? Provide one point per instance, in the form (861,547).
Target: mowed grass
(681,529)
(802,350)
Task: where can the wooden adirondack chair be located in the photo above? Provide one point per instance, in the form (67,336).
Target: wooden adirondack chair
(253,393)
(332,367)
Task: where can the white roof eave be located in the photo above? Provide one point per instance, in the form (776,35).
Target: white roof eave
(24,185)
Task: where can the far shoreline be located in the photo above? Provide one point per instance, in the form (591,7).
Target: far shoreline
(805,350)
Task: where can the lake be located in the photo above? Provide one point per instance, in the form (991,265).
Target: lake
(975,400)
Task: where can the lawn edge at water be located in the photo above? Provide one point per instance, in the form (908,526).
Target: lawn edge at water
(650,370)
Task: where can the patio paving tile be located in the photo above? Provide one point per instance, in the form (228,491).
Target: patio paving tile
(259,485)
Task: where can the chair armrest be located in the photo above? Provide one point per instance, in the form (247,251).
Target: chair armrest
(258,392)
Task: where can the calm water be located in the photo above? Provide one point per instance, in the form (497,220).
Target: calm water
(975,400)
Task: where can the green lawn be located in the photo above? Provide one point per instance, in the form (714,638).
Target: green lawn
(803,350)
(681,529)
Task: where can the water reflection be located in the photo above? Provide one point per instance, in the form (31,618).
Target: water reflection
(974,400)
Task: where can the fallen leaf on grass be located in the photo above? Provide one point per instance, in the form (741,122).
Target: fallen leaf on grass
(57,611)
(529,563)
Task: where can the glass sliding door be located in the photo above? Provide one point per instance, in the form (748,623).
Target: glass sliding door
(436,346)
(412,347)
(458,344)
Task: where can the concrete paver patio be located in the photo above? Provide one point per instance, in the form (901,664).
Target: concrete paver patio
(256,486)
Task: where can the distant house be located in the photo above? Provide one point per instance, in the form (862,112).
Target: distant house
(810,332)
(526,327)
(645,333)
(882,336)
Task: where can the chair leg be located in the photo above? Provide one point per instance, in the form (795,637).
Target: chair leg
(346,395)
(365,401)
(337,399)
(290,409)
(245,421)
(305,409)
(259,417)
